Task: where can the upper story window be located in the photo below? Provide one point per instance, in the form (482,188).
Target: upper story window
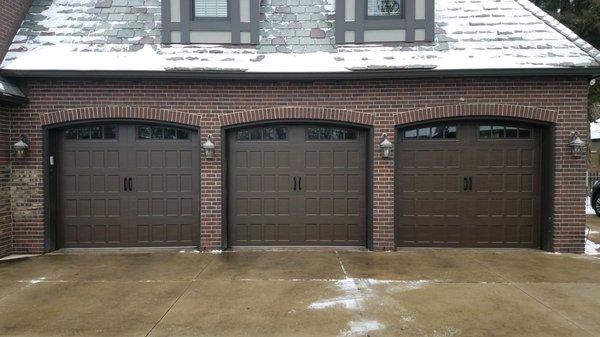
(210,21)
(360,21)
(384,7)
(210,8)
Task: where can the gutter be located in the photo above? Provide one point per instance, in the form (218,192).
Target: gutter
(589,72)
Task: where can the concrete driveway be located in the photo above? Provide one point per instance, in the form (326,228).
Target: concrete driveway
(310,293)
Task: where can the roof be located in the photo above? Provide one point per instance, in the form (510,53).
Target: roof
(74,35)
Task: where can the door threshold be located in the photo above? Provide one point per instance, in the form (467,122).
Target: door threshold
(109,250)
(297,248)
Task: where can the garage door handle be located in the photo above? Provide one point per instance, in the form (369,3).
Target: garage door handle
(294,183)
(470,183)
(300,183)
(130,184)
(466,186)
(125,184)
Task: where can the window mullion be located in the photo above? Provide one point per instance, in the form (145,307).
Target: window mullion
(187,13)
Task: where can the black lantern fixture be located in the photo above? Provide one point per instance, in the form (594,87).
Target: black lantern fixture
(577,145)
(386,146)
(21,147)
(209,147)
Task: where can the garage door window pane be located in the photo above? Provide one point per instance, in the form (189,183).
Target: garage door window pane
(274,134)
(83,133)
(450,132)
(71,134)
(512,132)
(434,132)
(110,132)
(410,134)
(329,133)
(96,132)
(524,133)
(161,133)
(424,133)
(498,132)
(262,133)
(503,132)
(91,133)
(437,133)
(485,131)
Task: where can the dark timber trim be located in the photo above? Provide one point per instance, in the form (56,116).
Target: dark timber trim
(362,22)
(368,129)
(50,191)
(189,23)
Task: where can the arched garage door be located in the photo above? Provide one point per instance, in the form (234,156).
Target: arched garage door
(468,184)
(128,185)
(297,185)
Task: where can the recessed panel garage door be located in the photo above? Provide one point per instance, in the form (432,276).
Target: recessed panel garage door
(297,185)
(128,185)
(471,184)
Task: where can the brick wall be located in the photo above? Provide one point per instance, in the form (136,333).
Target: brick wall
(12,13)
(5,217)
(384,100)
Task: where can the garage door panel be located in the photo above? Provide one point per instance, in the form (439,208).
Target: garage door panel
(501,207)
(312,190)
(99,210)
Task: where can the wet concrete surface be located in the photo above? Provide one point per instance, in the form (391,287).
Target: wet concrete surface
(429,292)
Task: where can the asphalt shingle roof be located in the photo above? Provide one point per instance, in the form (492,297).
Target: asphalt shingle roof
(125,35)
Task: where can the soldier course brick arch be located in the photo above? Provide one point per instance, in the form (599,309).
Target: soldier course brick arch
(296,112)
(477,110)
(125,112)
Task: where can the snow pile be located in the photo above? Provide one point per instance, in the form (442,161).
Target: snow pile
(588,206)
(361,328)
(595,129)
(592,248)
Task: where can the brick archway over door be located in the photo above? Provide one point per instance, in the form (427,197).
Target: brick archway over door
(120,112)
(210,195)
(296,112)
(476,110)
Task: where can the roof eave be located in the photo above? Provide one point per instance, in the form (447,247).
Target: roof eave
(287,76)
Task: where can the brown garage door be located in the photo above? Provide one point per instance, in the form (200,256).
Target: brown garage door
(128,185)
(468,185)
(297,185)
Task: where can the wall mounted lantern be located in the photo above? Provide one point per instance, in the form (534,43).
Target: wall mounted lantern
(209,147)
(21,147)
(577,145)
(386,146)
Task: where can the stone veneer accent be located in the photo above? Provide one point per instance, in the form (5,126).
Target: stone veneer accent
(296,26)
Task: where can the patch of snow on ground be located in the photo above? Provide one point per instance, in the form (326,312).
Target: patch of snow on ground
(359,328)
(592,248)
(216,251)
(36,281)
(588,206)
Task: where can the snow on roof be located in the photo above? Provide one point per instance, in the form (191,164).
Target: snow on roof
(474,34)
